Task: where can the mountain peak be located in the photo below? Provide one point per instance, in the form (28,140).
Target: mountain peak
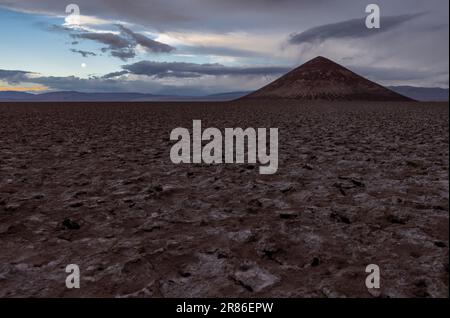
(324,79)
(320,59)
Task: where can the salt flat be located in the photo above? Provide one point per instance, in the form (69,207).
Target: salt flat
(93,184)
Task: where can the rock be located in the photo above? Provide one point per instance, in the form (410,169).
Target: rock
(357,183)
(151,226)
(340,188)
(242,236)
(348,183)
(184,274)
(271,251)
(254,206)
(71,225)
(340,218)
(440,244)
(135,266)
(16,228)
(413,164)
(315,262)
(421,289)
(12,207)
(255,279)
(255,203)
(288,215)
(329,293)
(397,219)
(76,204)
(287,189)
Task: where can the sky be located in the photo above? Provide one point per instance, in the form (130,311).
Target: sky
(200,47)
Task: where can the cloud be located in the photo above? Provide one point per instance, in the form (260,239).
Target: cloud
(354,28)
(219,51)
(142,40)
(137,84)
(121,45)
(157,78)
(187,70)
(114,74)
(399,75)
(114,41)
(253,33)
(13,76)
(124,54)
(174,14)
(93,84)
(170,78)
(83,53)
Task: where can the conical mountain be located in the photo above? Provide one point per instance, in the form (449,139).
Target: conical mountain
(323,79)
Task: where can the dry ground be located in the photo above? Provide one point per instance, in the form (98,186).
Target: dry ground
(358,183)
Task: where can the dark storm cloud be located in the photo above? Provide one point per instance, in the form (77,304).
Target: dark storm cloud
(124,54)
(176,14)
(354,28)
(13,76)
(113,41)
(185,70)
(83,53)
(122,45)
(151,45)
(114,74)
(230,15)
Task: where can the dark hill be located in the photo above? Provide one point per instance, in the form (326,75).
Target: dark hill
(323,79)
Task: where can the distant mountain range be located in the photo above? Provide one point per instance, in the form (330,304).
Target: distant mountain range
(418,93)
(69,96)
(425,94)
(317,79)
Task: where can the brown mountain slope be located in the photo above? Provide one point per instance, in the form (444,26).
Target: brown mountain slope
(323,79)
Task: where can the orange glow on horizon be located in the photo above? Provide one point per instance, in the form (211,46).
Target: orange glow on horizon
(37,88)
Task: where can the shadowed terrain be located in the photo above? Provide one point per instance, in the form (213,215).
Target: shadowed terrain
(92,184)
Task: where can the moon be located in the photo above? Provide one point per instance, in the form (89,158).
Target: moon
(83,65)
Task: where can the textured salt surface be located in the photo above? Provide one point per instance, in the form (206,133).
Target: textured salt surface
(92,184)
